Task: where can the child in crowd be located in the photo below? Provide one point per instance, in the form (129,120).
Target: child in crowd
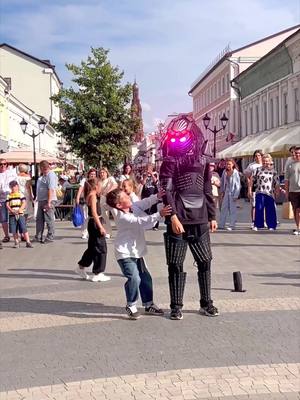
(16,205)
(96,252)
(129,187)
(130,247)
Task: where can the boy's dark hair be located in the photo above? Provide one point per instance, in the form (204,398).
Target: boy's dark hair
(13,184)
(292,148)
(113,197)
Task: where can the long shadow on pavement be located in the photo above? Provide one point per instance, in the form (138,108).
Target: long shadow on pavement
(64,308)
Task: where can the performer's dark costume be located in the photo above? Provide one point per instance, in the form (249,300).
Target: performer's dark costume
(185,176)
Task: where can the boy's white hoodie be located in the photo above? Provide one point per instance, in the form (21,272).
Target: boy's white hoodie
(130,239)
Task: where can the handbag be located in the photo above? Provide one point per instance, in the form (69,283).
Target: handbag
(287,210)
(77,216)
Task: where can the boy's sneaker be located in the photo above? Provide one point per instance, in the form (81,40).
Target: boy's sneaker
(100,278)
(16,245)
(29,245)
(153,310)
(209,311)
(81,272)
(132,312)
(176,314)
(296,232)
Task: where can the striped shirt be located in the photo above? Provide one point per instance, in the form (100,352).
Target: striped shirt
(14,201)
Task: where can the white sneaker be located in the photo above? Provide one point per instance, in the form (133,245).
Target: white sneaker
(100,278)
(271,229)
(85,236)
(254,228)
(296,232)
(229,228)
(81,272)
(107,236)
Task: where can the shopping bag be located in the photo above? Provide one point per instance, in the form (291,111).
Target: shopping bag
(287,210)
(77,216)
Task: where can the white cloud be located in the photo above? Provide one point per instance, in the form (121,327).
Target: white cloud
(165,44)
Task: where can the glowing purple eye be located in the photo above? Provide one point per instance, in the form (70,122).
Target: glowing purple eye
(173,140)
(183,139)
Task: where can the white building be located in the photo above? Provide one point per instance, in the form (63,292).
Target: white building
(213,94)
(270,103)
(26,87)
(31,80)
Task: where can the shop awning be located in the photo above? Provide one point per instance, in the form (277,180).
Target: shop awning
(24,156)
(276,143)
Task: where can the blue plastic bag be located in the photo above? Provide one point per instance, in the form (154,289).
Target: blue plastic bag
(77,216)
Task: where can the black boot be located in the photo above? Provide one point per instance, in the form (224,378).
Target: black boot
(176,285)
(206,303)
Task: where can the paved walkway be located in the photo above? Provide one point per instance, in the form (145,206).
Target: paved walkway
(64,338)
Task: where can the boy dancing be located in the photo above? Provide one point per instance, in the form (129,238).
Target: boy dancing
(130,247)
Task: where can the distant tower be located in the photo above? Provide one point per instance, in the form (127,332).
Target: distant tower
(136,112)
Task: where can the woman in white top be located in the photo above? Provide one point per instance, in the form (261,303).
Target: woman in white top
(127,173)
(24,182)
(108,183)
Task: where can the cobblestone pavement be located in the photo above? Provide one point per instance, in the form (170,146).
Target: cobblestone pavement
(64,338)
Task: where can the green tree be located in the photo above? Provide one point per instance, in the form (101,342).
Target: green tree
(96,120)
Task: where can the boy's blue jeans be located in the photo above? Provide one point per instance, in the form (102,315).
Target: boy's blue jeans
(138,280)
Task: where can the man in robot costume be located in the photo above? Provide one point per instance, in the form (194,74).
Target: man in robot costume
(185,176)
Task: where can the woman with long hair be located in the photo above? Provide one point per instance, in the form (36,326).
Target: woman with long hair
(127,173)
(107,183)
(230,190)
(96,252)
(92,173)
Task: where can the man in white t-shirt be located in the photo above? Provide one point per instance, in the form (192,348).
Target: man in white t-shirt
(6,176)
(250,172)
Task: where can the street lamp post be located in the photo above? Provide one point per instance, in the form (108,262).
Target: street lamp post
(42,125)
(206,121)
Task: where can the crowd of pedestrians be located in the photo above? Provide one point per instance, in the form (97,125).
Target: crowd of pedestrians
(133,203)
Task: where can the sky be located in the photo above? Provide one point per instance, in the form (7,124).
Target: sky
(164,44)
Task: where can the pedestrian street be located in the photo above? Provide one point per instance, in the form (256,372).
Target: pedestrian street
(63,338)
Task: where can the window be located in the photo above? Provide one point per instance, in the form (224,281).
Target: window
(285,108)
(211,94)
(223,85)
(215,91)
(8,82)
(265,115)
(227,83)
(277,110)
(296,102)
(251,120)
(246,122)
(271,113)
(219,88)
(257,118)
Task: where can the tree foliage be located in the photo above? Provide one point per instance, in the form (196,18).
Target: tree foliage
(96,120)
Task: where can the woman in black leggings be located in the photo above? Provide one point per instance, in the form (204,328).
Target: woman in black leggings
(97,250)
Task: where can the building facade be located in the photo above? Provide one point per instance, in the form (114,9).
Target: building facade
(270,99)
(213,93)
(26,87)
(31,80)
(12,111)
